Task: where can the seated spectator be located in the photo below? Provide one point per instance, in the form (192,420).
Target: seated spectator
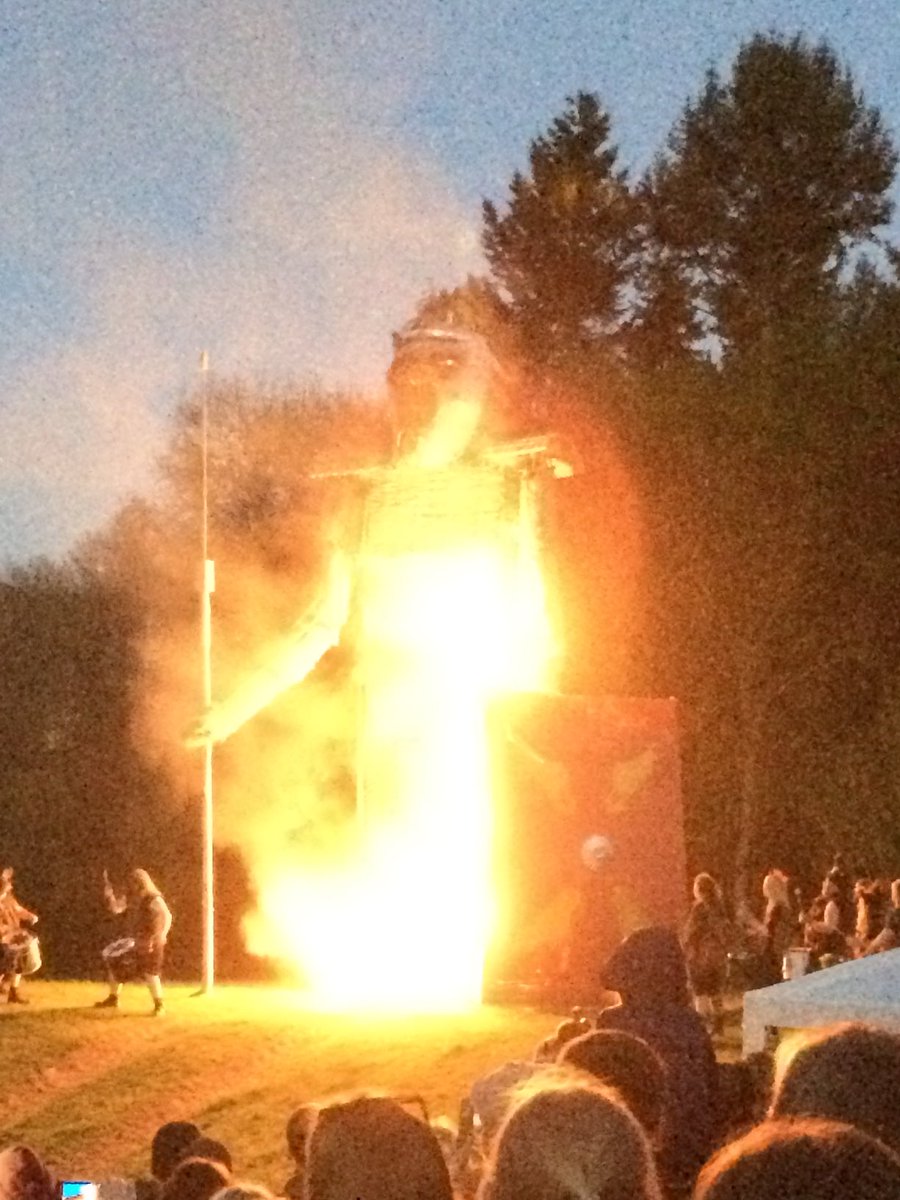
(296,1133)
(568,1136)
(24,1177)
(210,1149)
(196,1179)
(648,971)
(626,1064)
(802,1160)
(370,1148)
(846,1073)
(169,1147)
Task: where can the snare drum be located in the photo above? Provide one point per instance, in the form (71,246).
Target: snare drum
(24,950)
(120,958)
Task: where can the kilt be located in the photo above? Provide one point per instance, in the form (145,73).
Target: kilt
(125,962)
(150,961)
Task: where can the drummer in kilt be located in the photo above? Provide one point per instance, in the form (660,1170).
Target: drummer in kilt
(150,921)
(12,917)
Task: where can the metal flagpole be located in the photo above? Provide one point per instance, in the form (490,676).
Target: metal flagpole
(209,586)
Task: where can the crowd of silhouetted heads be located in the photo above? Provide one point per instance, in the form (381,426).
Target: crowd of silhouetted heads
(628,1103)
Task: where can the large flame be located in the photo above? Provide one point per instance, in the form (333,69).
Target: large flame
(401,919)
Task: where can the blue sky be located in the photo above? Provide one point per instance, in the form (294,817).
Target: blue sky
(279,182)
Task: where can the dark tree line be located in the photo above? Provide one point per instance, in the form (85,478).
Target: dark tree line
(726,327)
(734,322)
(102,668)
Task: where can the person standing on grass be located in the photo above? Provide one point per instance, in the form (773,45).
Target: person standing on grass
(12,917)
(822,930)
(780,919)
(151,922)
(707,938)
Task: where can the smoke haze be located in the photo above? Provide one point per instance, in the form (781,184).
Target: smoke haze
(201,176)
(279,183)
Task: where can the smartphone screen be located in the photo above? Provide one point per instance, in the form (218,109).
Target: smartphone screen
(73,1189)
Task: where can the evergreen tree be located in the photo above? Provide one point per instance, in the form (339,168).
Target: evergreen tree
(664,330)
(561,252)
(771,179)
(868,349)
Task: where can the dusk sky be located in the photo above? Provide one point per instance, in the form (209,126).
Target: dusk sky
(279,181)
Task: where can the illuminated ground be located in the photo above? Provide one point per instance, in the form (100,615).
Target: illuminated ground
(87,1088)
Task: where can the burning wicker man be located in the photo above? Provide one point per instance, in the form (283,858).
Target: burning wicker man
(448,602)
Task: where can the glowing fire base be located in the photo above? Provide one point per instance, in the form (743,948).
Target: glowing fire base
(405,924)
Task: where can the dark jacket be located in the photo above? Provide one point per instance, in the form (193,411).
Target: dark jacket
(649,973)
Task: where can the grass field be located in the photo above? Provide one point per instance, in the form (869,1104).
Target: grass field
(89,1088)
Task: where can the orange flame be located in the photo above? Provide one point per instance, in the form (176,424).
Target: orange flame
(403,919)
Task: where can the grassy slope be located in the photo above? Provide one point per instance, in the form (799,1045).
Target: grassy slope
(88,1089)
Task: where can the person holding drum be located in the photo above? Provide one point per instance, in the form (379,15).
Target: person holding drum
(18,947)
(140,956)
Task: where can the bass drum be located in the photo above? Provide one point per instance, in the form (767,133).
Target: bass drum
(26,948)
(121,959)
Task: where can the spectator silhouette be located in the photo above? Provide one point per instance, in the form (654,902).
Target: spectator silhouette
(210,1149)
(745,1089)
(648,971)
(566,1137)
(195,1179)
(371,1148)
(169,1147)
(802,1160)
(23,1176)
(845,1073)
(626,1064)
(296,1134)
(490,1096)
